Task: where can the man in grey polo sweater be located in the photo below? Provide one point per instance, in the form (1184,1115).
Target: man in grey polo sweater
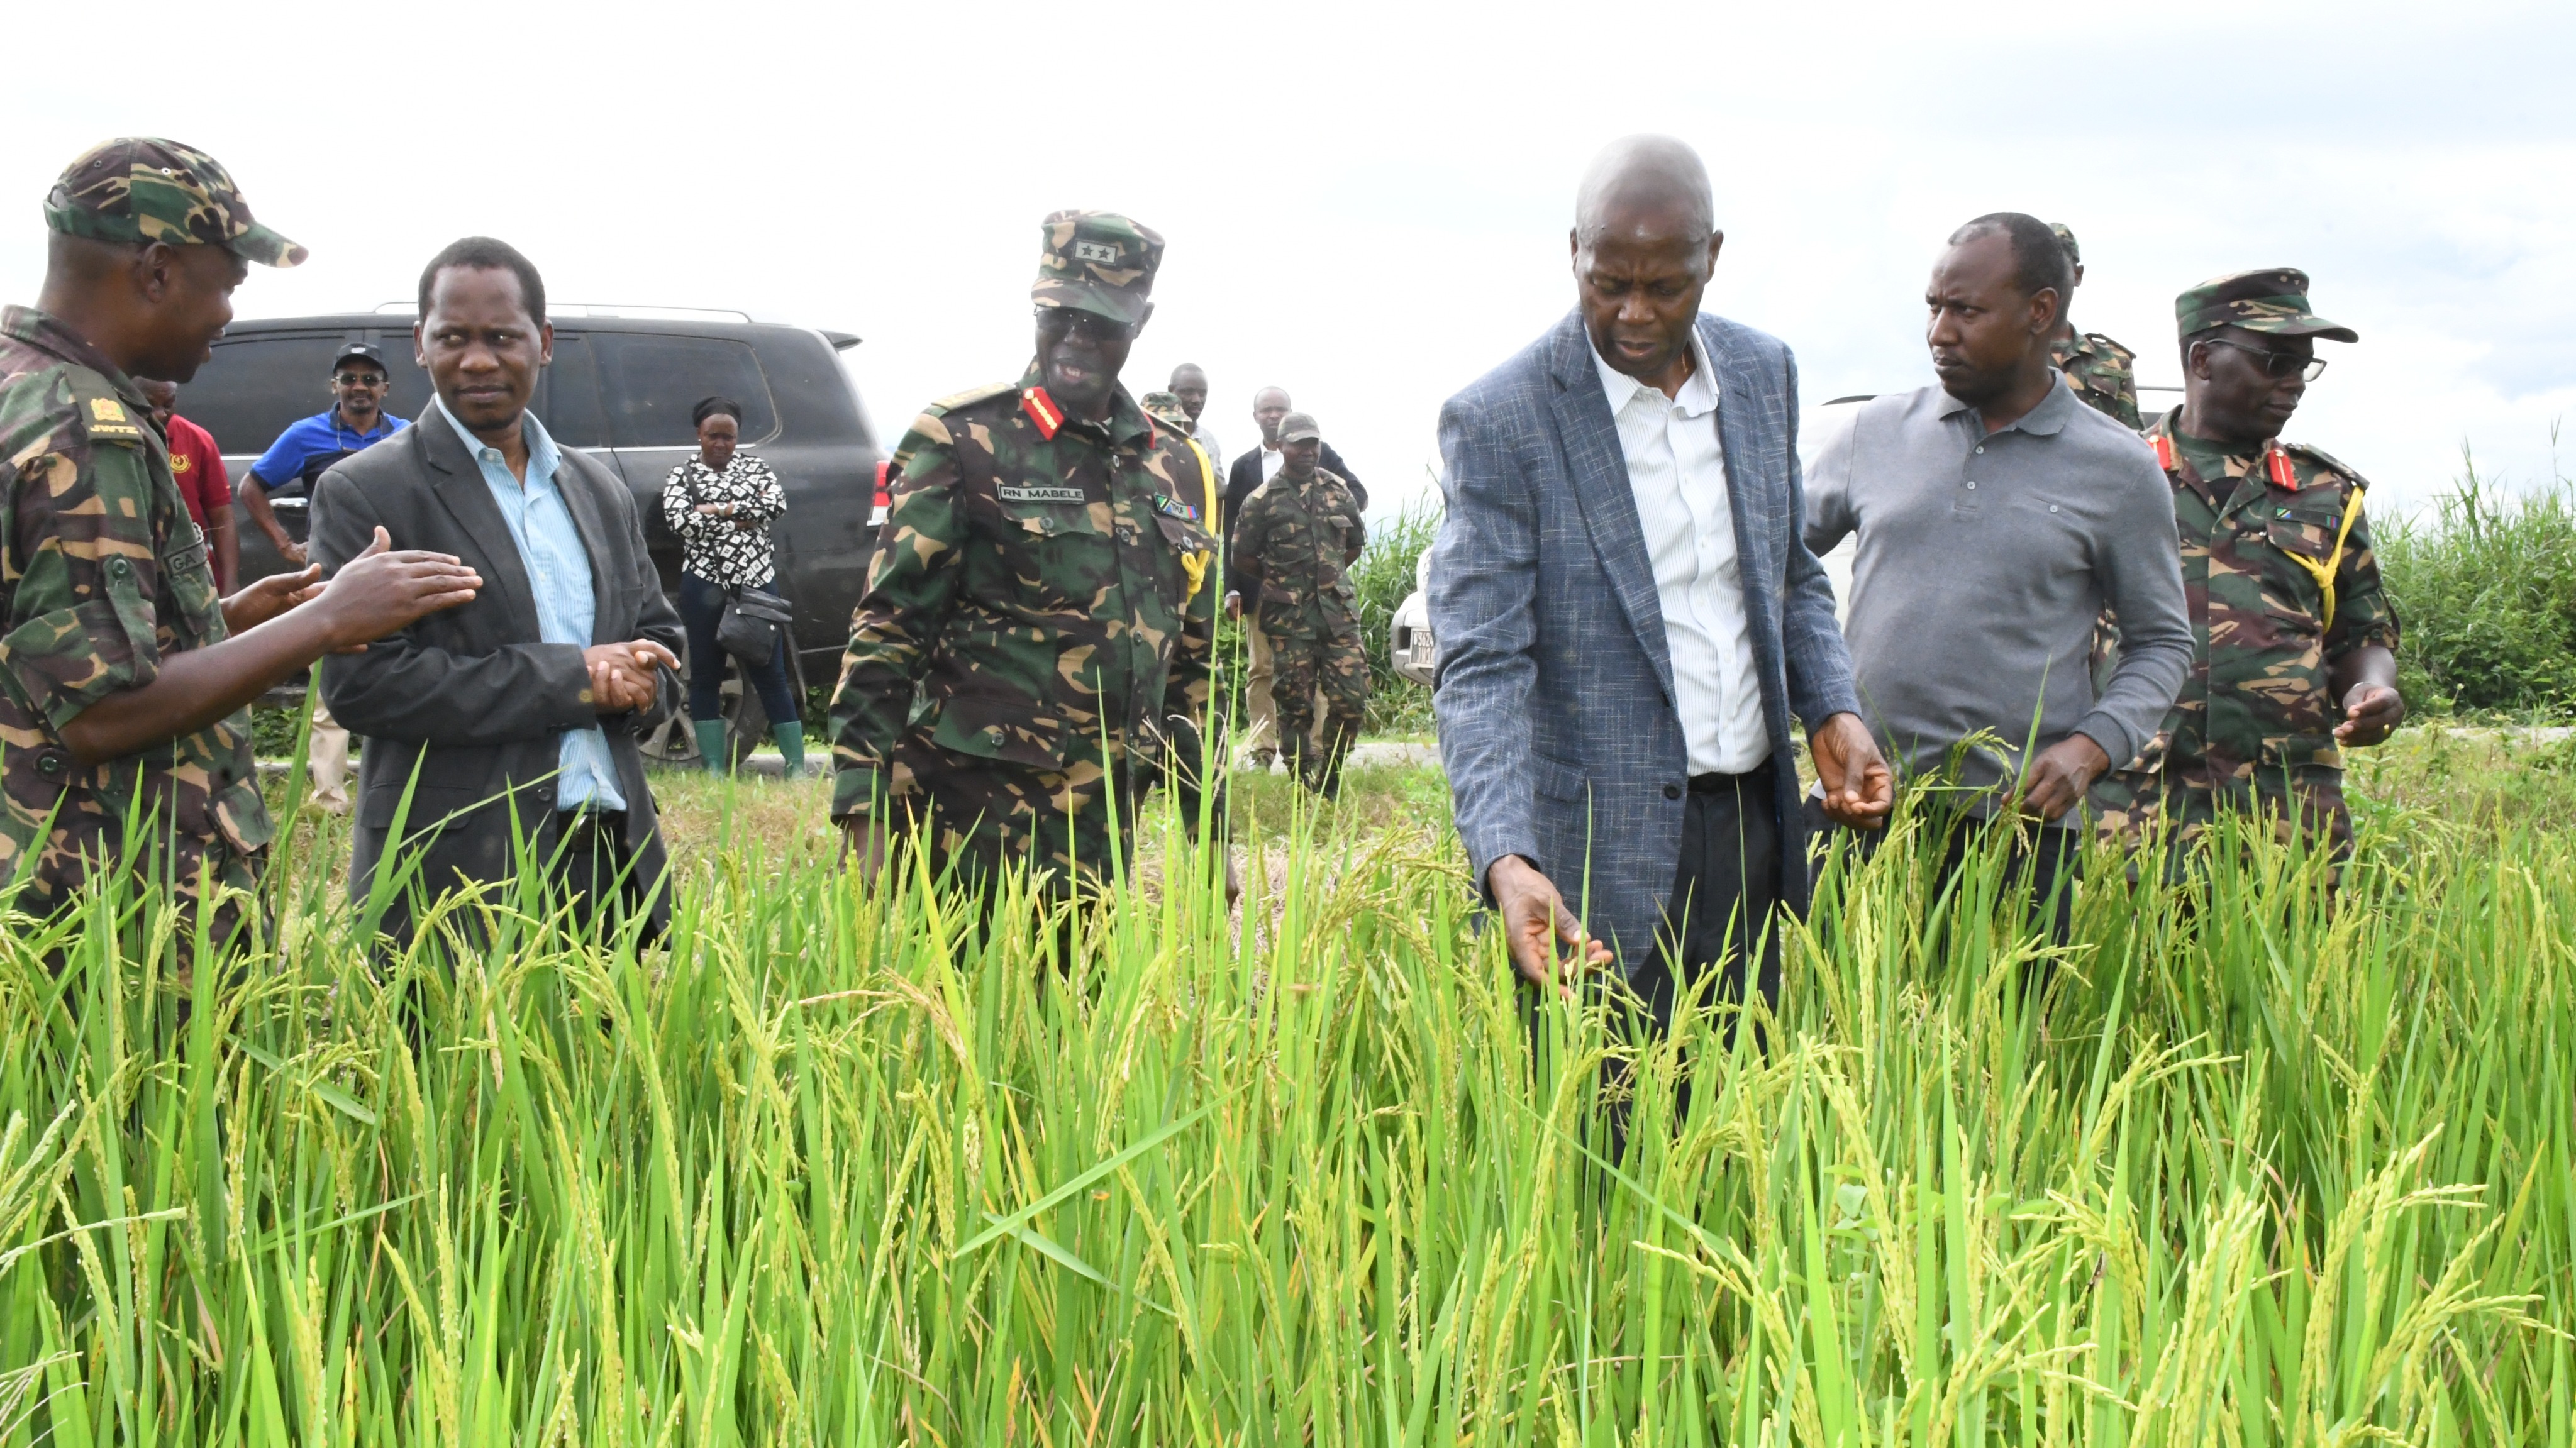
(1997,516)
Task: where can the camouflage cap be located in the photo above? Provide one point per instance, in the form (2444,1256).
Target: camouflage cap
(2066,239)
(1165,407)
(2273,300)
(1097,261)
(1299,425)
(141,188)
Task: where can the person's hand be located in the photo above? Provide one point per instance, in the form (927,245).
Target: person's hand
(863,845)
(384,591)
(716,509)
(1234,605)
(2371,712)
(293,552)
(1536,922)
(2060,775)
(1859,790)
(269,597)
(622,675)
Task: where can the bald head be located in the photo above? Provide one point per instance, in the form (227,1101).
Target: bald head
(1654,182)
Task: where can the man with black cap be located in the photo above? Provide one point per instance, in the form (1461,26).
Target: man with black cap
(124,681)
(2294,639)
(355,419)
(1049,582)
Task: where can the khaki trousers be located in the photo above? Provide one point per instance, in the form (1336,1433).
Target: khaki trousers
(327,757)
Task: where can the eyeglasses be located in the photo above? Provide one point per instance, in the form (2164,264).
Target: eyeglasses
(1090,326)
(2277,365)
(361,379)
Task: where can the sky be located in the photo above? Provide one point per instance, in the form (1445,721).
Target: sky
(1368,203)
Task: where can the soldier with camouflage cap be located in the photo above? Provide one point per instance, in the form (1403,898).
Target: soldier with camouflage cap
(1046,580)
(2095,366)
(124,680)
(1299,535)
(2294,636)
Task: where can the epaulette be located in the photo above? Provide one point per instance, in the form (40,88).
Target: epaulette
(2329,461)
(969,398)
(103,416)
(2107,345)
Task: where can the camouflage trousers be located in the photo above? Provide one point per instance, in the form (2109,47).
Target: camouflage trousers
(1310,652)
(982,817)
(2301,800)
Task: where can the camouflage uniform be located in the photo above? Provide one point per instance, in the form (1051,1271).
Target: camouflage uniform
(1300,540)
(104,575)
(2278,568)
(2095,366)
(1046,582)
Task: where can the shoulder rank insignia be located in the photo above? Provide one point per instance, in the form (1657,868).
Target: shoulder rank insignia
(1174,508)
(107,419)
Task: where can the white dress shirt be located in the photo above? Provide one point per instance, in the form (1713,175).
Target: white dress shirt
(1271,458)
(1677,471)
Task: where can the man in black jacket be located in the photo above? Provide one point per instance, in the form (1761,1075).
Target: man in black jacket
(517,714)
(1249,472)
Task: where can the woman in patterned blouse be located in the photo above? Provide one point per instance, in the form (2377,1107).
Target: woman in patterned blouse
(720,504)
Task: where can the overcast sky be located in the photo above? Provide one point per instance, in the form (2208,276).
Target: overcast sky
(1368,203)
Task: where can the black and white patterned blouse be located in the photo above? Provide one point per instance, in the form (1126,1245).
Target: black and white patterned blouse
(731,549)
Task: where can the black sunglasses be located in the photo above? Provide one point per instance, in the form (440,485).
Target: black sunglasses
(2277,365)
(360,379)
(1090,326)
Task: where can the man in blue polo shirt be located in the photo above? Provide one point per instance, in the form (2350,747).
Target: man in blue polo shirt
(355,420)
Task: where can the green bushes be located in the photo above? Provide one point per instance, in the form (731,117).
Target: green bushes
(1382,577)
(2485,588)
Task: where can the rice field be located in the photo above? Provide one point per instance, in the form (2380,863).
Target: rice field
(2253,1162)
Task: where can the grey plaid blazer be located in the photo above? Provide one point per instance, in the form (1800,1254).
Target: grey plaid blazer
(1556,687)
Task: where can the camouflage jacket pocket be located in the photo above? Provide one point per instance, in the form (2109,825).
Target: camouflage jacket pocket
(60,663)
(999,725)
(197,613)
(2297,749)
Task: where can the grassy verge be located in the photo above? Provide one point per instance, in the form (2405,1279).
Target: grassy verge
(840,1163)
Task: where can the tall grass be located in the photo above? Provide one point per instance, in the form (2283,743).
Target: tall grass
(840,1164)
(2486,590)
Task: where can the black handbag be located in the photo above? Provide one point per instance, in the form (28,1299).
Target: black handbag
(748,628)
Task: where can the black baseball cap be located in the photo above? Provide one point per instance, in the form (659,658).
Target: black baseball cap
(364,352)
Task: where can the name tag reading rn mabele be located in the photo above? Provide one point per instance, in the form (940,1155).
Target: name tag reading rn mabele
(1014,493)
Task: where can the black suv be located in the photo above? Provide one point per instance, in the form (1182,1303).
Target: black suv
(620,388)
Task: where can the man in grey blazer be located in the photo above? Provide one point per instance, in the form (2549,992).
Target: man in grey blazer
(1628,619)
(519,711)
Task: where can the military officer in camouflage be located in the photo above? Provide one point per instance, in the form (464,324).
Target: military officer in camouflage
(124,680)
(1047,579)
(2095,366)
(1299,534)
(2295,639)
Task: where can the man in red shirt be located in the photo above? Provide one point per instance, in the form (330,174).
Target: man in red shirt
(198,466)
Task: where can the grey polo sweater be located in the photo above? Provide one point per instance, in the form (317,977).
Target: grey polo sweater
(1983,560)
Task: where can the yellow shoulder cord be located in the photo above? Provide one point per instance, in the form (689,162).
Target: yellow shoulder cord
(2325,572)
(1195,564)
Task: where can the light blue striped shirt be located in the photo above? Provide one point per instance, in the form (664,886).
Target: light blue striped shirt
(558,569)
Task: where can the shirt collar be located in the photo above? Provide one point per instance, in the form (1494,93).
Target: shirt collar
(542,453)
(1698,395)
(47,333)
(2045,420)
(331,417)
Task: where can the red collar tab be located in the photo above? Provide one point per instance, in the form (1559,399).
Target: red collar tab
(1042,411)
(2277,460)
(2164,451)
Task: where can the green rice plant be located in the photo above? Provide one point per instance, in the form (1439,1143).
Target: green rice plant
(2280,1155)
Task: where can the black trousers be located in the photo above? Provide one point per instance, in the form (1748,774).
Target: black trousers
(1723,916)
(593,870)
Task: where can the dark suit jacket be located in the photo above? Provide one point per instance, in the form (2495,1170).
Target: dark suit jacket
(472,695)
(1239,483)
(1557,723)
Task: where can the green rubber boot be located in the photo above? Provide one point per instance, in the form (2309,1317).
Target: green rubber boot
(791,747)
(711,745)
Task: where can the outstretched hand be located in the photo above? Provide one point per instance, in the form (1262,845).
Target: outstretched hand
(258,602)
(385,590)
(1859,790)
(1536,924)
